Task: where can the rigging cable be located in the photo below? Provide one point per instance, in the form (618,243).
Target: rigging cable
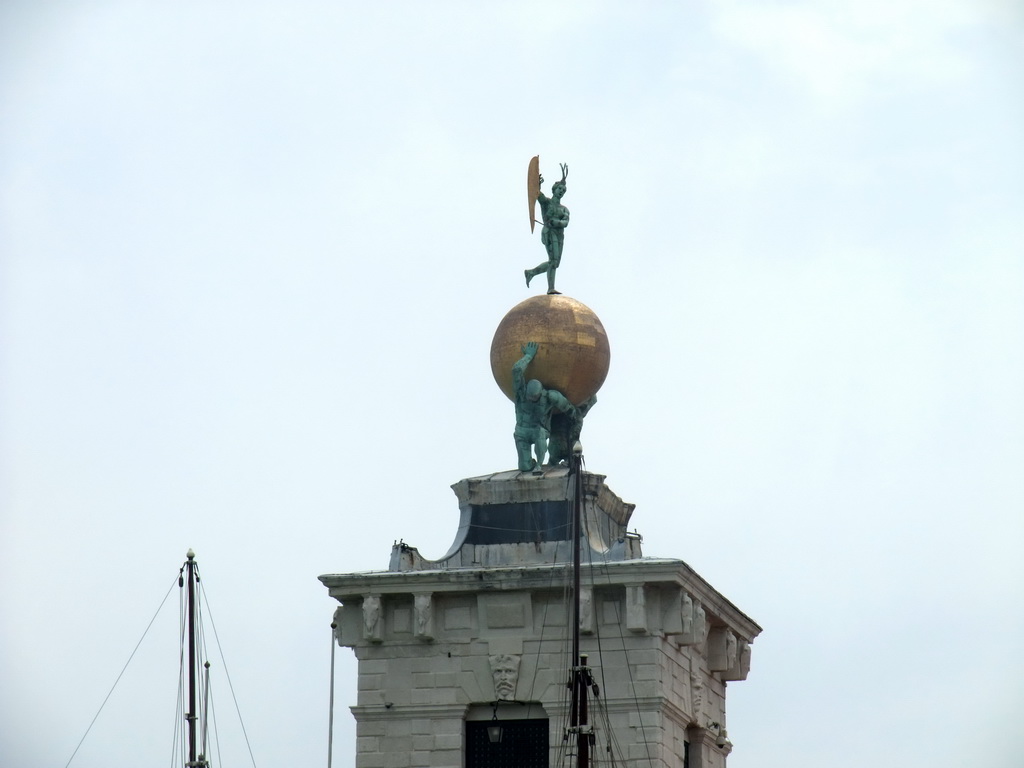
(206,697)
(223,661)
(205,703)
(629,671)
(206,706)
(216,735)
(565,752)
(179,714)
(581,678)
(612,744)
(555,574)
(120,675)
(560,572)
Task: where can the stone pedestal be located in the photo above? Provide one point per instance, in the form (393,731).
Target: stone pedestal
(483,634)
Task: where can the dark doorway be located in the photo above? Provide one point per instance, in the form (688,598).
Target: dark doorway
(524,744)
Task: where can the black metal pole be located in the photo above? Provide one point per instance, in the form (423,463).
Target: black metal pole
(577,460)
(578,715)
(191,716)
(584,748)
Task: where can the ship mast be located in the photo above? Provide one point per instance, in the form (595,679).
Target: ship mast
(581,679)
(191,717)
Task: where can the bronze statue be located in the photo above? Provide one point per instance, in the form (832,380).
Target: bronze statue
(565,431)
(534,405)
(555,217)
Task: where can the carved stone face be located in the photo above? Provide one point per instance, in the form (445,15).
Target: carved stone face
(505,669)
(371,613)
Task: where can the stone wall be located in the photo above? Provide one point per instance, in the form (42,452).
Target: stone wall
(661,642)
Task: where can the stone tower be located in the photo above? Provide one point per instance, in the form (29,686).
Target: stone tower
(478,638)
(464,661)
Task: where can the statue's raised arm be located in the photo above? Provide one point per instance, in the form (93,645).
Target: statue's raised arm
(555,217)
(519,369)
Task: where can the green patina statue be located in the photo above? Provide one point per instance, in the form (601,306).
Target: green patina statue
(556,219)
(534,406)
(565,431)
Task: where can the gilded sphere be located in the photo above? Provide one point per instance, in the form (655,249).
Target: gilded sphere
(572,355)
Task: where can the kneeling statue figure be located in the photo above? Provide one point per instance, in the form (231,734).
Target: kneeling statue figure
(534,406)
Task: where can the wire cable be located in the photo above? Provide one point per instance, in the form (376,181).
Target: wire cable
(132,656)
(613,745)
(178,739)
(227,674)
(629,672)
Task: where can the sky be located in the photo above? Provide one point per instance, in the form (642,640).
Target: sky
(252,256)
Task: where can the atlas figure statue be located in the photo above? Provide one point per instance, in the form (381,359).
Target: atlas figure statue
(534,406)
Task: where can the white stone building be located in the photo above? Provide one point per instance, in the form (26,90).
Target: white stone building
(480,638)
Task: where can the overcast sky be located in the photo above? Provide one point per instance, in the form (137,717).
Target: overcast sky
(252,256)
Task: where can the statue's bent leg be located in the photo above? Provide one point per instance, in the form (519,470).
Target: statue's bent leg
(554,259)
(559,439)
(541,446)
(523,446)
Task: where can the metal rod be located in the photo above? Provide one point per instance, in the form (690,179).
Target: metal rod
(206,707)
(584,742)
(330,719)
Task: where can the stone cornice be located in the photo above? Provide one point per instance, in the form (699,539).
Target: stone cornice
(646,571)
(364,712)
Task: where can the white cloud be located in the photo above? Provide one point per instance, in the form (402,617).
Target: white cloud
(841,54)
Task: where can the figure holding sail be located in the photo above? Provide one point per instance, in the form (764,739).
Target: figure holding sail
(555,217)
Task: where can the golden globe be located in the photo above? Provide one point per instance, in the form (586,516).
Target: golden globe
(573,353)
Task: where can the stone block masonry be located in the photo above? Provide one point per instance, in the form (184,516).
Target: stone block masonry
(483,633)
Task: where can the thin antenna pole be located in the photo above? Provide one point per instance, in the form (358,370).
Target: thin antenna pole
(330,719)
(206,707)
